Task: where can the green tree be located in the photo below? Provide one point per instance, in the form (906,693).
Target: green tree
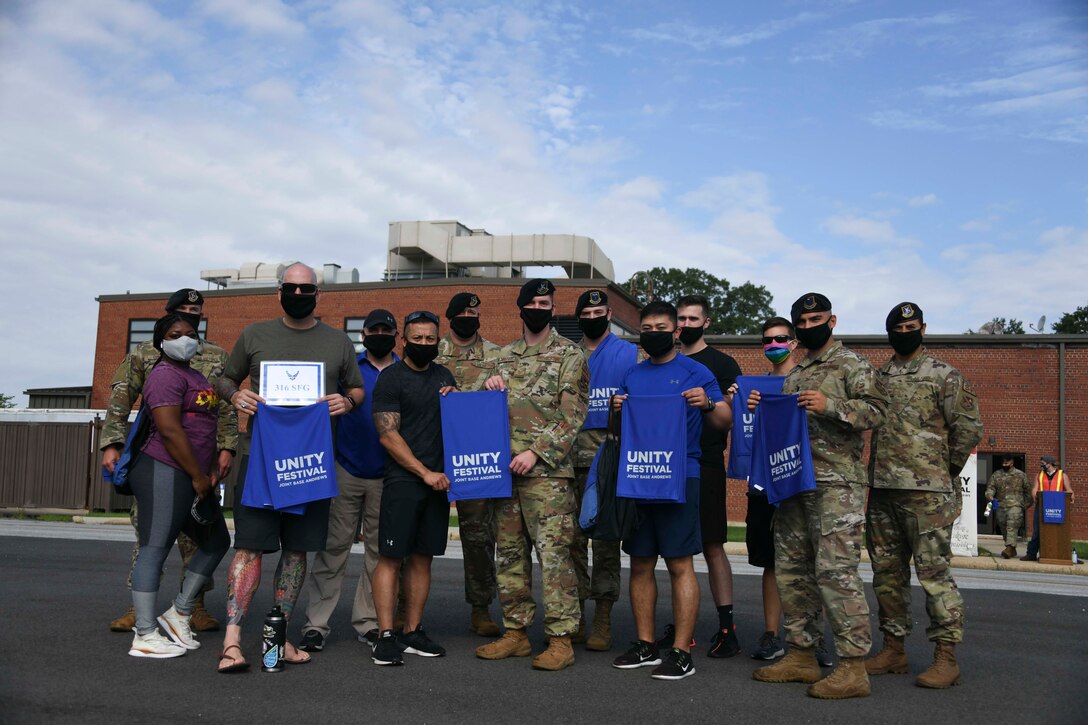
(1073,323)
(7,401)
(999,326)
(738,310)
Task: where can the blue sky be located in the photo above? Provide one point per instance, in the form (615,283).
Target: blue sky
(875,151)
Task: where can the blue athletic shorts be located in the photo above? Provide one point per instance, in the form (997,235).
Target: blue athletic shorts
(670,530)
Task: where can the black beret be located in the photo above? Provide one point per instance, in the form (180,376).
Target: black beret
(185,296)
(809,302)
(903,312)
(459,302)
(535,288)
(590,298)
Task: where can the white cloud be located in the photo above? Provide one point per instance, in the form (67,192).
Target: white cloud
(873,231)
(923,200)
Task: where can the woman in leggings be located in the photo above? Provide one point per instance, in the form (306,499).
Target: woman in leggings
(176,466)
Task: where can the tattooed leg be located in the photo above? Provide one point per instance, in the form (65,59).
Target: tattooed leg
(290,575)
(242,581)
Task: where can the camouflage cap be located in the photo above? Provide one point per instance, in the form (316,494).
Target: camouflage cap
(903,312)
(590,298)
(186,296)
(809,302)
(460,302)
(535,288)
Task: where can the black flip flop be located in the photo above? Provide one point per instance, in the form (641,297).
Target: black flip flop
(237,666)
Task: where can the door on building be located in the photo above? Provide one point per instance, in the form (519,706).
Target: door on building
(987,464)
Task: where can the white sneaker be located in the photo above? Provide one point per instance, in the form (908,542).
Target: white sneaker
(154,645)
(176,626)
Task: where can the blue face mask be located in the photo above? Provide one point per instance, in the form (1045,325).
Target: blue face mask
(776,352)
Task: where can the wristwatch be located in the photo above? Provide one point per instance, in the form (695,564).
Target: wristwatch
(709,406)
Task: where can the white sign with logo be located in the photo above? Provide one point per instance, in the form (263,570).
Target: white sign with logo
(292,383)
(965,527)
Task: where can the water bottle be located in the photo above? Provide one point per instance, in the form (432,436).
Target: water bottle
(222,495)
(273,640)
(989,509)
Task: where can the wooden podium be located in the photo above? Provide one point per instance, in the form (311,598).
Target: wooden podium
(1055,540)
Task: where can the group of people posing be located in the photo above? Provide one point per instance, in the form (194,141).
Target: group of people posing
(386,418)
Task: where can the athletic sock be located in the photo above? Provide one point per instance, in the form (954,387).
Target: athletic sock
(725,617)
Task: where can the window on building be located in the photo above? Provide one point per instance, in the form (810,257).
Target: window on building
(144,330)
(353,326)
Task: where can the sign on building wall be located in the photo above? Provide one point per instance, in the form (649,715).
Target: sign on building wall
(965,528)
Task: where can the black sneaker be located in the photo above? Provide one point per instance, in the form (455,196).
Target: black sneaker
(677,666)
(418,643)
(666,640)
(641,654)
(724,644)
(770,647)
(312,641)
(823,656)
(370,637)
(386,651)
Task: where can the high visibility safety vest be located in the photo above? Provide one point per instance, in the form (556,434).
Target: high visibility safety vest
(1052,484)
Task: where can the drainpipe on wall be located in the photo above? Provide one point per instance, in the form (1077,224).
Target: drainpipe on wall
(1061,404)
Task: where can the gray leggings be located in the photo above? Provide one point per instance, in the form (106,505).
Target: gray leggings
(165,497)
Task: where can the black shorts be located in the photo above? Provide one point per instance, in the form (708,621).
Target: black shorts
(759,535)
(712,521)
(670,530)
(259,529)
(414,518)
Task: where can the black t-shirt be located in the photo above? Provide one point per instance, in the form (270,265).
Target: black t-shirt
(414,395)
(725,371)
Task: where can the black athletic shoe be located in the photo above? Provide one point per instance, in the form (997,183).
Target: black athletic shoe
(724,644)
(677,666)
(312,641)
(418,643)
(641,654)
(770,647)
(386,651)
(823,656)
(666,641)
(370,637)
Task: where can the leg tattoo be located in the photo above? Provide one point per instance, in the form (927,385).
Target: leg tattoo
(290,574)
(242,582)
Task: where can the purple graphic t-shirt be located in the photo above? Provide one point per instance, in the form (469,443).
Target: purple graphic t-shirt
(169,384)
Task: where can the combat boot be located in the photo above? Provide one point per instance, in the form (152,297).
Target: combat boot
(600,636)
(125,622)
(847,680)
(558,656)
(201,619)
(579,634)
(944,672)
(799,665)
(482,624)
(891,659)
(515,643)
(1009,552)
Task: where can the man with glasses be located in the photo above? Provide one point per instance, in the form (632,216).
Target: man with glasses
(297,336)
(548,380)
(415,512)
(360,467)
(470,358)
(125,389)
(817,534)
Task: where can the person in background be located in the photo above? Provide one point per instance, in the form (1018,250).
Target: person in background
(1050,478)
(1010,491)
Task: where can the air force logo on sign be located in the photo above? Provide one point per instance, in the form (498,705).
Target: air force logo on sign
(908,311)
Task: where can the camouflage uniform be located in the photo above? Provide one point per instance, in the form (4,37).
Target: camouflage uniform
(914,463)
(1012,492)
(125,388)
(549,393)
(817,534)
(471,367)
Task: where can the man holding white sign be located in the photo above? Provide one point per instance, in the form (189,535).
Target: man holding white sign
(295,337)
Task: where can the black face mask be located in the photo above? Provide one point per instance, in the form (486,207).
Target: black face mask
(814,338)
(655,343)
(193,318)
(690,335)
(904,343)
(421,355)
(298,307)
(593,327)
(379,344)
(535,318)
(465,327)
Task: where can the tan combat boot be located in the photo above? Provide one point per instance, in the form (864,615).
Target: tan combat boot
(849,679)
(201,619)
(558,656)
(125,622)
(579,634)
(600,636)
(482,624)
(799,665)
(1009,552)
(892,659)
(944,672)
(515,643)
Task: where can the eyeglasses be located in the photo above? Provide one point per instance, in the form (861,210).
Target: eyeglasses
(776,338)
(420,315)
(290,288)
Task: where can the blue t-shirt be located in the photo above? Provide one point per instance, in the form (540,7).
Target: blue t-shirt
(677,375)
(357,446)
